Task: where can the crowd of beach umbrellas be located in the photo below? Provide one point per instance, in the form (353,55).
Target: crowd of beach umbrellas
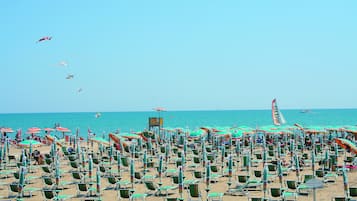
(233,151)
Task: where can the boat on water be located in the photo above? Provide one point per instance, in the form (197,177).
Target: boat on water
(278,118)
(305,111)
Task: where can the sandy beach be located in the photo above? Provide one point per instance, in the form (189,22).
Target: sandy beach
(329,190)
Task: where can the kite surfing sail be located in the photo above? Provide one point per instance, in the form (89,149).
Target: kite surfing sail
(44,38)
(278,118)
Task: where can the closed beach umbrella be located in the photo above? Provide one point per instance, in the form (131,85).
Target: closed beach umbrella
(149,145)
(24,159)
(140,143)
(280,173)
(345,181)
(336,154)
(110,154)
(185,147)
(167,152)
(98,181)
(132,172)
(118,162)
(145,161)
(183,159)
(83,159)
(327,158)
(292,148)
(208,174)
(238,147)
(57,172)
(21,180)
(223,152)
(297,167)
(264,156)
(265,179)
(230,167)
(313,161)
(180,181)
(90,167)
(279,150)
(251,145)
(160,167)
(1,155)
(204,157)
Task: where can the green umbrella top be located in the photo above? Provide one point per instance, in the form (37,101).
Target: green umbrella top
(27,143)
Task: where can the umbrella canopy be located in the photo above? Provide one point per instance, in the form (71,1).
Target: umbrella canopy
(159,109)
(100,140)
(6,130)
(197,133)
(63,130)
(346,144)
(52,139)
(33,130)
(28,143)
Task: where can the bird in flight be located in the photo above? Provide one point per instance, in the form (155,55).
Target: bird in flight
(44,39)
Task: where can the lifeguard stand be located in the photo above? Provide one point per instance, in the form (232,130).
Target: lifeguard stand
(155,122)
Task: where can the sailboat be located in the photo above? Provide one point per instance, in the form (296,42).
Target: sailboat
(278,118)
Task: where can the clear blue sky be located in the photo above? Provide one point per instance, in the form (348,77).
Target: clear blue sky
(181,55)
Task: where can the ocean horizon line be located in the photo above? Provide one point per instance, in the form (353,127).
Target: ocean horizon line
(184,110)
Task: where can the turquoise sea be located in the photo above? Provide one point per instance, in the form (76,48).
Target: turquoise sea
(138,121)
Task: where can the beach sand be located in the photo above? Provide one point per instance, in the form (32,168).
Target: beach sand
(329,190)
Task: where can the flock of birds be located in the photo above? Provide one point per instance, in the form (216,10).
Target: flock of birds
(65,64)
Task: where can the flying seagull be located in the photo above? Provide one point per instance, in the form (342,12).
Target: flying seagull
(44,39)
(69,76)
